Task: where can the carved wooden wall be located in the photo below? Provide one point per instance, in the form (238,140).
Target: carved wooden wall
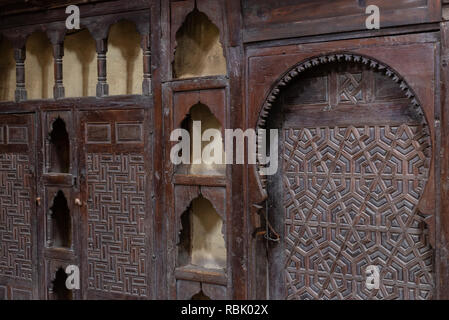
(18,220)
(326,82)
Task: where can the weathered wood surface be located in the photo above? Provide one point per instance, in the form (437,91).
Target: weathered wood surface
(410,43)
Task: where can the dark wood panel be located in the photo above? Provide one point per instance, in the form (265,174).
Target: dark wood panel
(270,20)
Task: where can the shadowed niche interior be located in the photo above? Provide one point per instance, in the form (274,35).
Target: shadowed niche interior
(39,72)
(125,59)
(202,113)
(80,64)
(60,291)
(7,71)
(199,51)
(201,240)
(61,222)
(59,147)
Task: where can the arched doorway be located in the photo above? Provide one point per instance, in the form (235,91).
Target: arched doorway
(354,159)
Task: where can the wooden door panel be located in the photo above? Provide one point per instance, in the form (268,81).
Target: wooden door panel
(355,160)
(117,216)
(18,274)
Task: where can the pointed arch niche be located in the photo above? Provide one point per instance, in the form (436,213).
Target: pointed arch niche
(59,222)
(201,113)
(199,51)
(58,289)
(59,145)
(201,239)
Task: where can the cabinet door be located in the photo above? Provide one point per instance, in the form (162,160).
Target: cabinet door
(18,274)
(116,191)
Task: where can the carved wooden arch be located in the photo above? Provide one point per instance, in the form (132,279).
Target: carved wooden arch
(294,73)
(99,29)
(205,192)
(194,100)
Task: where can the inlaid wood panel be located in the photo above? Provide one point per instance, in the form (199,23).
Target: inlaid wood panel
(265,20)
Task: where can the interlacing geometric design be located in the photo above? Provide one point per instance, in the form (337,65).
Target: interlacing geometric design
(116,252)
(15,216)
(351,200)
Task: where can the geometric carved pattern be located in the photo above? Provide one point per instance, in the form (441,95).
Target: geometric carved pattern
(297,71)
(350,87)
(15,216)
(116,231)
(351,200)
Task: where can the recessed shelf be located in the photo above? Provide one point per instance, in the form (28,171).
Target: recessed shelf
(58,179)
(200,274)
(199,180)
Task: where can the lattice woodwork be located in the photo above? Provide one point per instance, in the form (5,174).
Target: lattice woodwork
(351,200)
(116,230)
(15,216)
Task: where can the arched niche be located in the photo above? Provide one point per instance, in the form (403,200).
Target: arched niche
(198,51)
(124,58)
(59,145)
(59,222)
(201,240)
(58,289)
(202,114)
(80,64)
(354,164)
(39,72)
(7,70)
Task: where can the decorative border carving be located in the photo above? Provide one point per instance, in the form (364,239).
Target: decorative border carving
(294,72)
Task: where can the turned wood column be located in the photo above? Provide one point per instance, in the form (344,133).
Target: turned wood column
(102,85)
(146,84)
(19,56)
(58,88)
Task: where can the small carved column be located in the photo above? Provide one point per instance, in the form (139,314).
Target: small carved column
(146,84)
(58,53)
(102,85)
(19,56)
